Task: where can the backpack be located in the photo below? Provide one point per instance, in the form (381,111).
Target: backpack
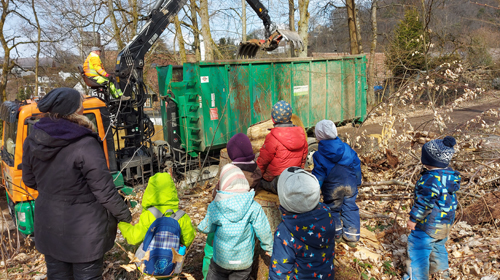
(162,236)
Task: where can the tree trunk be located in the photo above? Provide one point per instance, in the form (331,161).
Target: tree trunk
(180,39)
(358,31)
(304,24)
(429,95)
(37,58)
(243,20)
(135,16)
(196,30)
(205,30)
(7,64)
(351,21)
(373,47)
(116,29)
(291,22)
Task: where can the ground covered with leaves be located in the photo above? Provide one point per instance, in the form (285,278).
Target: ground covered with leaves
(391,165)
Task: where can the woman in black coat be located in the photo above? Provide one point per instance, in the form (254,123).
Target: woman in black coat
(78,206)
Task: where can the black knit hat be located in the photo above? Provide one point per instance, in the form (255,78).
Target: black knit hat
(63,101)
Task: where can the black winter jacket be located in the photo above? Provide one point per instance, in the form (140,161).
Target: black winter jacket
(77,208)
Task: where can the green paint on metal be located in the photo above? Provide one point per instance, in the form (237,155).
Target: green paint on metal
(219,99)
(25,214)
(118,179)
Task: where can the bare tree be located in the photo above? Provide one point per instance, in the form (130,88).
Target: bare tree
(373,46)
(9,43)
(304,25)
(358,31)
(351,19)
(180,39)
(116,28)
(38,43)
(205,30)
(244,20)
(194,28)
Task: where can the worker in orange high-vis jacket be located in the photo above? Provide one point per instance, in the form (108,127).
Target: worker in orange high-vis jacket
(93,69)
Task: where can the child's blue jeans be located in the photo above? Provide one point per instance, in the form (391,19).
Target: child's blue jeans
(427,255)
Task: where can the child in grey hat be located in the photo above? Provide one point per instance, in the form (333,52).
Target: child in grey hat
(338,169)
(304,244)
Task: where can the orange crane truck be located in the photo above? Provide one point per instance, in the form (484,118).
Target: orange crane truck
(18,119)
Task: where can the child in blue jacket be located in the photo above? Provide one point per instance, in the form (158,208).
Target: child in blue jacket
(338,169)
(304,247)
(433,213)
(236,219)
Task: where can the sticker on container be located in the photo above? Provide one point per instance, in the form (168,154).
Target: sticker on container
(300,90)
(204,79)
(213,99)
(214,114)
(199,100)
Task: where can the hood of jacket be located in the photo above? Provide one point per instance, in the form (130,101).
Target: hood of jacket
(291,137)
(234,206)
(51,135)
(449,178)
(315,228)
(161,191)
(337,152)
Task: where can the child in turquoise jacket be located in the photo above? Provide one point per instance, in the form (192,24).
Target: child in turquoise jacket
(236,219)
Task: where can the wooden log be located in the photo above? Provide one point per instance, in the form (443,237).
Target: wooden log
(270,205)
(223,159)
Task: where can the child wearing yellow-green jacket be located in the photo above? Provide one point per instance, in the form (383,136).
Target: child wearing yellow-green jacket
(162,194)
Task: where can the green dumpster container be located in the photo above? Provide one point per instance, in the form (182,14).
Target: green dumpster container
(221,98)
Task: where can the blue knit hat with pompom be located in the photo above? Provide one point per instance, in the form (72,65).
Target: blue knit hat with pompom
(438,153)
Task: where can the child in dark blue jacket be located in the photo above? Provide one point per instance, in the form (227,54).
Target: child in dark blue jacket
(304,247)
(338,169)
(433,213)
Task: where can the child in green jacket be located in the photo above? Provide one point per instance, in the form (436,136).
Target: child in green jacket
(162,194)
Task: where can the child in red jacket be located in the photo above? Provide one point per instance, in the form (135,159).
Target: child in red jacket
(285,146)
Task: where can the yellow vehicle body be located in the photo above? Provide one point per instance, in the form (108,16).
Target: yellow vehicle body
(12,173)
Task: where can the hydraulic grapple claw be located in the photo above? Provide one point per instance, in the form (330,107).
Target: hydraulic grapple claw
(249,49)
(292,36)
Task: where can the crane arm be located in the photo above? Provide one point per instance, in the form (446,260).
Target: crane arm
(130,61)
(263,14)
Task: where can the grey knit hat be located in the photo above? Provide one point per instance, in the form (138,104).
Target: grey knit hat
(325,129)
(93,49)
(298,190)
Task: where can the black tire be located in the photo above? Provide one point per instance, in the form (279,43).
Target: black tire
(313,147)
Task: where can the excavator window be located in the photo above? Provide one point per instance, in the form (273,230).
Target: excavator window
(92,118)
(9,147)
